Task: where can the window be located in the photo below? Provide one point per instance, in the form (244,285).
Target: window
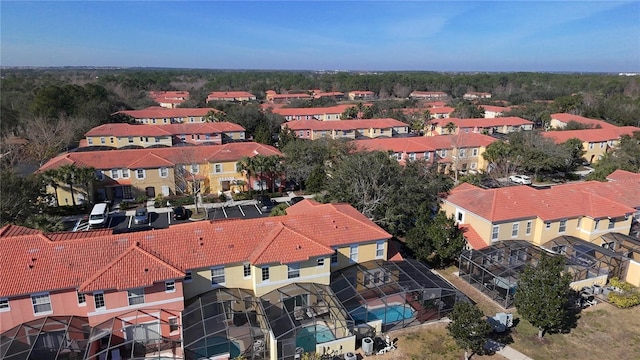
(474,165)
(164,172)
(99,175)
(82,300)
(293,271)
(246,270)
(474,152)
(494,232)
(612,223)
(170,286)
(528,230)
(98,299)
(597,223)
(153,120)
(265,273)
(427,155)
(187,277)
(353,253)
(379,249)
(602,145)
(217,168)
(547,225)
(173,324)
(563,226)
(140,175)
(459,216)
(115,174)
(136,296)
(590,146)
(41,303)
(130,140)
(412,156)
(90,141)
(125,173)
(127,192)
(157,139)
(462,153)
(443,152)
(103,140)
(195,168)
(334,257)
(320,262)
(217,276)
(514,229)
(4,304)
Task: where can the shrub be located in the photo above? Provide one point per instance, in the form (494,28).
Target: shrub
(624,299)
(174,201)
(241,196)
(141,198)
(622,285)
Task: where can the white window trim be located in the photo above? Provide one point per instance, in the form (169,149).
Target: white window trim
(78,298)
(515,228)
(497,233)
(560,227)
(177,324)
(380,247)
(215,171)
(352,253)
(129,296)
(218,284)
(144,174)
(528,228)
(166,286)
(293,269)
(42,312)
(8,308)
(166,172)
(320,262)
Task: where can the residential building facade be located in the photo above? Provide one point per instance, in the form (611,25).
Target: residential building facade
(428,95)
(169,99)
(476,95)
(595,142)
(501,125)
(237,96)
(156,115)
(350,129)
(362,95)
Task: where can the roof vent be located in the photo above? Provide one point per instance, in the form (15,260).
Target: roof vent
(298,247)
(146,269)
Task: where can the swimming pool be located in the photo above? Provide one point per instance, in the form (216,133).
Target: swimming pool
(388,314)
(311,335)
(217,345)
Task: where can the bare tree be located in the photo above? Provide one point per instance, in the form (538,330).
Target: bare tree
(46,138)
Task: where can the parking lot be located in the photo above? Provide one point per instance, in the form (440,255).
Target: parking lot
(120,222)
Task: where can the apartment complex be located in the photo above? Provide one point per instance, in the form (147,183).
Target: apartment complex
(428,95)
(156,115)
(329,113)
(236,96)
(125,174)
(169,99)
(361,95)
(350,129)
(473,95)
(595,142)
(500,125)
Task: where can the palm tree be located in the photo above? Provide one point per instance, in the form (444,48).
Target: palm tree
(261,165)
(274,168)
(450,127)
(68,176)
(51,178)
(85,176)
(246,165)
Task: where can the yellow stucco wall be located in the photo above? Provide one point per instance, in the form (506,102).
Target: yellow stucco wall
(633,273)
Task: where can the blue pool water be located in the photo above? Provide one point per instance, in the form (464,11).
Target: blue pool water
(219,345)
(309,336)
(388,314)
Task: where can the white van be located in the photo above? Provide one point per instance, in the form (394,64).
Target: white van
(99,215)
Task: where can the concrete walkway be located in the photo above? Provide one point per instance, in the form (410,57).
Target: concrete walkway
(506,351)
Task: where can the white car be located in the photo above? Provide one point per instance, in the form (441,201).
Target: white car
(520,179)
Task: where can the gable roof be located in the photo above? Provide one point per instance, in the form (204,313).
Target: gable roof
(592,199)
(230,94)
(343,124)
(473,238)
(122,261)
(484,122)
(123,129)
(159,112)
(160,157)
(624,175)
(566,118)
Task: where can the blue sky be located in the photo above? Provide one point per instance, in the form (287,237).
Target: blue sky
(330,35)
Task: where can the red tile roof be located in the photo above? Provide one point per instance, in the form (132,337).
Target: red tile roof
(500,109)
(158,112)
(472,237)
(344,124)
(229,95)
(593,199)
(406,145)
(160,157)
(123,129)
(483,122)
(623,175)
(441,110)
(565,118)
(338,109)
(591,135)
(123,261)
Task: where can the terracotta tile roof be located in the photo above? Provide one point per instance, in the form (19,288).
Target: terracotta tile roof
(593,199)
(16,230)
(392,252)
(435,104)
(344,124)
(229,94)
(441,110)
(501,109)
(159,157)
(463,140)
(591,135)
(623,175)
(428,93)
(338,109)
(328,94)
(399,145)
(106,261)
(472,237)
(122,129)
(565,118)
(159,112)
(484,122)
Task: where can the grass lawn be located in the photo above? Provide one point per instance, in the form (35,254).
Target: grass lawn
(602,332)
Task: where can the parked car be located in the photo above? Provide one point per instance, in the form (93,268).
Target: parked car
(141,216)
(265,203)
(520,179)
(296,199)
(180,213)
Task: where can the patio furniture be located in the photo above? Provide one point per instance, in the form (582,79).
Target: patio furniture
(298,313)
(321,308)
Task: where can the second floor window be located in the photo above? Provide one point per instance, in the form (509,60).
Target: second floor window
(528,230)
(195,168)
(462,153)
(170,286)
(474,152)
(246,270)
(334,257)
(514,230)
(98,299)
(217,168)
(41,303)
(353,253)
(217,276)
(320,262)
(265,273)
(495,231)
(82,300)
(379,249)
(563,226)
(135,296)
(293,271)
(140,174)
(164,172)
(115,174)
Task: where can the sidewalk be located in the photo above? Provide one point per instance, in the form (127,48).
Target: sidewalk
(506,351)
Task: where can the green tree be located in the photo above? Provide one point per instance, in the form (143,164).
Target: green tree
(450,127)
(68,175)
(349,113)
(316,181)
(20,198)
(52,178)
(542,294)
(279,210)
(285,136)
(247,166)
(263,135)
(468,327)
(86,175)
(436,240)
(573,154)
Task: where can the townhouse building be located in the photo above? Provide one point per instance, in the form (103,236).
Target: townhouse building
(361,95)
(350,129)
(210,289)
(126,174)
(473,95)
(573,216)
(337,95)
(169,99)
(491,111)
(451,152)
(155,115)
(237,96)
(560,121)
(595,142)
(328,113)
(121,135)
(501,125)
(273,97)
(441,112)
(428,95)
